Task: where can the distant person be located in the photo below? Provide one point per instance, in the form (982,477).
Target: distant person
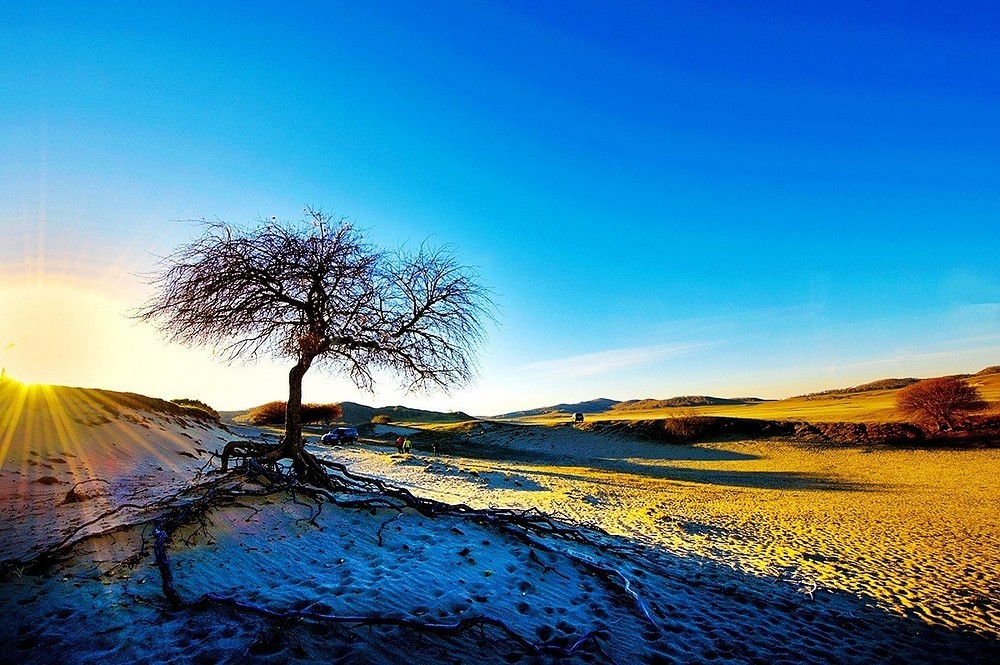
(400,442)
(406,445)
(436,447)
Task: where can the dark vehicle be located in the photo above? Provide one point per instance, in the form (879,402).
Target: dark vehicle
(341,435)
(578,417)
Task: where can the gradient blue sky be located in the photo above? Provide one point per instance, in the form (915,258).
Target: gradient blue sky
(667,198)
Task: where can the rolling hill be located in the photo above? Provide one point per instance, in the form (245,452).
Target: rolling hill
(686,400)
(358,414)
(874,401)
(598,405)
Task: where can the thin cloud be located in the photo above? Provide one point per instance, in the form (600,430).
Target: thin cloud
(602,362)
(916,358)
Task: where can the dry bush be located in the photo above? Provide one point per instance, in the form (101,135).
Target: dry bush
(381,419)
(686,424)
(273,413)
(196,405)
(321,413)
(941,403)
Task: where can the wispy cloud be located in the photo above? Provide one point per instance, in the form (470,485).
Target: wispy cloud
(603,362)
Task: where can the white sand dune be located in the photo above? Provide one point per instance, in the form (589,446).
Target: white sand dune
(68,456)
(656,590)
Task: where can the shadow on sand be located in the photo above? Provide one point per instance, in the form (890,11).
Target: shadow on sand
(794,621)
(672,452)
(683,609)
(777,480)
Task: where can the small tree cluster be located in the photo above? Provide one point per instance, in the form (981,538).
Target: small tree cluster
(381,419)
(941,402)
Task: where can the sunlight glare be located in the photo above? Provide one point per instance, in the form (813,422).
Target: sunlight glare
(58,333)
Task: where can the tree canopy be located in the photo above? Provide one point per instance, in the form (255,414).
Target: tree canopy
(314,292)
(940,402)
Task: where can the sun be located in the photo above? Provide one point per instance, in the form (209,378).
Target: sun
(56,332)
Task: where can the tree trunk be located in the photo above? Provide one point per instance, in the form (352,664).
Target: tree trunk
(293,409)
(305,466)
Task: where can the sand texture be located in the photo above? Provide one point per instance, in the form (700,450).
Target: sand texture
(763,552)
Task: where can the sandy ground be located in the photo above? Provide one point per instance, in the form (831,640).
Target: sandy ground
(914,530)
(737,553)
(68,456)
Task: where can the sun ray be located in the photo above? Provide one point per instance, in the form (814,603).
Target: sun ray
(67,411)
(124,429)
(13,396)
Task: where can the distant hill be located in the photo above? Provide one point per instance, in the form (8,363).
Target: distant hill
(895,384)
(881,384)
(599,405)
(358,414)
(603,404)
(685,400)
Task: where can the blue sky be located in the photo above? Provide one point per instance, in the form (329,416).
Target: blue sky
(666,198)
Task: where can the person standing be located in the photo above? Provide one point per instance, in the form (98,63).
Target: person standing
(400,441)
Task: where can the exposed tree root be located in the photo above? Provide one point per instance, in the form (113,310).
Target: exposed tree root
(590,639)
(346,489)
(72,496)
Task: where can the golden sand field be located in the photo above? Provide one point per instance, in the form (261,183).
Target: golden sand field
(915,531)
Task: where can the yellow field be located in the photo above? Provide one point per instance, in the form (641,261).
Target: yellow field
(872,406)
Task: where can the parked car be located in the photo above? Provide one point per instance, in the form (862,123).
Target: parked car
(578,417)
(341,435)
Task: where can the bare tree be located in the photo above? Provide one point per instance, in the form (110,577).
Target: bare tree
(315,293)
(940,401)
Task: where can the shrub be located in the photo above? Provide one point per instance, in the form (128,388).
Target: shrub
(273,413)
(321,413)
(381,419)
(940,402)
(197,405)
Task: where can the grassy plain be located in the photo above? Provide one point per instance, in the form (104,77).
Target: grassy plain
(871,406)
